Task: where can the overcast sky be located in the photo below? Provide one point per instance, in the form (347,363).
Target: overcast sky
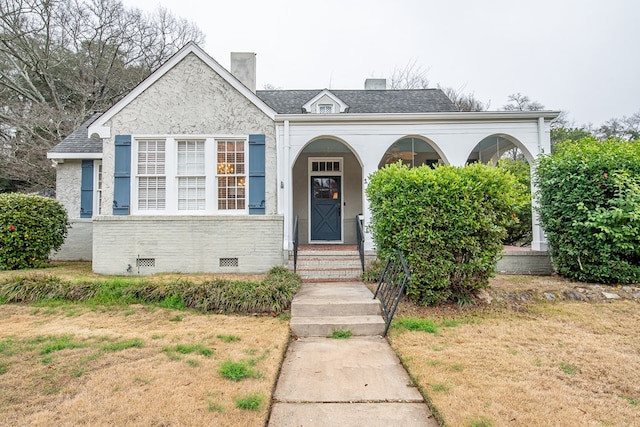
(582,56)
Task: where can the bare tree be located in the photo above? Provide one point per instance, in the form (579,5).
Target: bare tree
(465,102)
(624,128)
(60,60)
(520,102)
(411,76)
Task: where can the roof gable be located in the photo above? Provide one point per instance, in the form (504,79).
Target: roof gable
(100,128)
(325,93)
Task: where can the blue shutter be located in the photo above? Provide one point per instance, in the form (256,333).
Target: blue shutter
(86,189)
(256,174)
(122,175)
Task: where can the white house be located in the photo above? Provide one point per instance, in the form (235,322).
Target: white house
(197,171)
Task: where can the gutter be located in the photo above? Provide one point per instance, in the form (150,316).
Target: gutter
(455,116)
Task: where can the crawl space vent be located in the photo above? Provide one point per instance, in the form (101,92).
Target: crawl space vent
(228,262)
(145,262)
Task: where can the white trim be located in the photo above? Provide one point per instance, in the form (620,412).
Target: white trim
(325,92)
(74,156)
(99,125)
(420,117)
(310,174)
(97,192)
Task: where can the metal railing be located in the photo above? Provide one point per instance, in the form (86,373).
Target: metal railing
(295,244)
(391,286)
(360,240)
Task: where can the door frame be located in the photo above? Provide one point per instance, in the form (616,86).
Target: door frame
(311,173)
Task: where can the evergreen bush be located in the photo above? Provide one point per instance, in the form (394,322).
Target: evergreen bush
(590,209)
(519,232)
(30,228)
(448,222)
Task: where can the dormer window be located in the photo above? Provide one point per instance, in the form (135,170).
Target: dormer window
(325,102)
(325,108)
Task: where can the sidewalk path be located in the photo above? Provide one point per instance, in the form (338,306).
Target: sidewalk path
(357,381)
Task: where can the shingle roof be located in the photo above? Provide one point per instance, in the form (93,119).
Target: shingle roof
(363,101)
(291,102)
(79,141)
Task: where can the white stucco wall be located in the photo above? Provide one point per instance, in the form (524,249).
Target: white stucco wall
(68,179)
(191,99)
(77,245)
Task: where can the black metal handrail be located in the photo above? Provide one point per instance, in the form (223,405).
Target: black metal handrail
(295,244)
(360,240)
(391,286)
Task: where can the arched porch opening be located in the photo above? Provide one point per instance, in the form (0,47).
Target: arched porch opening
(508,153)
(327,191)
(494,147)
(413,151)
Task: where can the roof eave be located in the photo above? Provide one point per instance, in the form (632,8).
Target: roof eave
(547,115)
(72,156)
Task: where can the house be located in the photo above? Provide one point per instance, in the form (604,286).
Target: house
(197,171)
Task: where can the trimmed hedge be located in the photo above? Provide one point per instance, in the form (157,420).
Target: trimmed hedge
(271,295)
(448,222)
(590,209)
(30,228)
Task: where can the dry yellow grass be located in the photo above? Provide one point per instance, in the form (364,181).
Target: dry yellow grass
(562,364)
(146,386)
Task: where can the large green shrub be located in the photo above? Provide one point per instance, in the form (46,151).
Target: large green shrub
(519,231)
(448,222)
(590,209)
(30,228)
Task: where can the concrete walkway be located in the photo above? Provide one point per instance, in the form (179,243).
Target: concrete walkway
(357,381)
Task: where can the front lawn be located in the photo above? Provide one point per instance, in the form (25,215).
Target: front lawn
(137,365)
(85,349)
(524,360)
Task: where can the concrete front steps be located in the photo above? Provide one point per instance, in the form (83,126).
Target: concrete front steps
(328,263)
(319,309)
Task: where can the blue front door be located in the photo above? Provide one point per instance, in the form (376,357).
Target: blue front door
(326,208)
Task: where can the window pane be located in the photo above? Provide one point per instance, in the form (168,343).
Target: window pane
(151,157)
(151,170)
(191,193)
(231,170)
(151,193)
(190,157)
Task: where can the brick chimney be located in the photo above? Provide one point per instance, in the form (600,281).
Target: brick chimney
(375,84)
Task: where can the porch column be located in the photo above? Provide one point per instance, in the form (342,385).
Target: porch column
(285,187)
(539,239)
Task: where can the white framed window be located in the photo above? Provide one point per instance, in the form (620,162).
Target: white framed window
(152,181)
(231,174)
(190,174)
(325,108)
